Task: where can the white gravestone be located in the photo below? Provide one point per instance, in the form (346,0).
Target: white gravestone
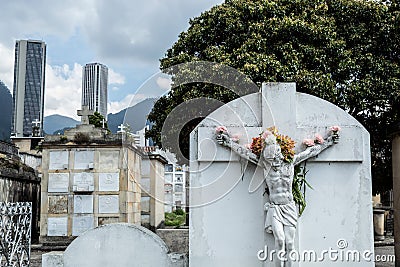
(58,183)
(120,245)
(109,181)
(227,215)
(109,204)
(81,224)
(57,226)
(84,159)
(83,182)
(83,204)
(109,160)
(58,160)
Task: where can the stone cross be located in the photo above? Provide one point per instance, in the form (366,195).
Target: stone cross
(36,122)
(121,128)
(85,113)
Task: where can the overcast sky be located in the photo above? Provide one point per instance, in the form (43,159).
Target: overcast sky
(129,36)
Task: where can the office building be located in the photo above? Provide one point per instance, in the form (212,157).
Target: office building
(28,90)
(94,87)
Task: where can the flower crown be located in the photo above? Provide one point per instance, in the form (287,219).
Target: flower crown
(271,136)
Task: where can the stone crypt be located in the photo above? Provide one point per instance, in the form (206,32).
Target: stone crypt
(90,178)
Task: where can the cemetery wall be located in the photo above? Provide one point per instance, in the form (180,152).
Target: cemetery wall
(177,240)
(20,183)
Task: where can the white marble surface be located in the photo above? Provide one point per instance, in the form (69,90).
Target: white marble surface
(58,160)
(83,204)
(83,182)
(227,221)
(57,226)
(109,181)
(84,159)
(58,183)
(81,224)
(109,204)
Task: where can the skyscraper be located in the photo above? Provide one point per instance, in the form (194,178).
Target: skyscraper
(94,87)
(28,90)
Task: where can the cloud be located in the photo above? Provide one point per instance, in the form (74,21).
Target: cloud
(115,78)
(164,83)
(26,18)
(6,66)
(63,90)
(138,30)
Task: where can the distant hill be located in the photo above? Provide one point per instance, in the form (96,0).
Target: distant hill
(6,101)
(136,116)
(57,122)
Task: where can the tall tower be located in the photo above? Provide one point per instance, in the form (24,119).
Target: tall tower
(94,87)
(28,91)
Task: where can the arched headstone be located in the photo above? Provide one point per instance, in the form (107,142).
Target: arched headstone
(227,215)
(119,244)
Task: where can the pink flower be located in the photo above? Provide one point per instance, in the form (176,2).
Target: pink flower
(308,142)
(235,138)
(335,128)
(319,139)
(248,146)
(221,129)
(265,134)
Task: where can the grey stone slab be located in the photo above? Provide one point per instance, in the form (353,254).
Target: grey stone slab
(83,204)
(53,259)
(57,226)
(58,183)
(83,182)
(109,160)
(58,160)
(120,245)
(81,224)
(84,159)
(109,204)
(109,181)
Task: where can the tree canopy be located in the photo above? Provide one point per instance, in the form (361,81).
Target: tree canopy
(97,120)
(344,51)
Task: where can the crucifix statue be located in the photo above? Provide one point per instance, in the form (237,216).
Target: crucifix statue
(85,113)
(281,211)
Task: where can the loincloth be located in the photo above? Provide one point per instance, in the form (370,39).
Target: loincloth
(285,214)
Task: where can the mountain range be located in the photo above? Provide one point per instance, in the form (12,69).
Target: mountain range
(135,116)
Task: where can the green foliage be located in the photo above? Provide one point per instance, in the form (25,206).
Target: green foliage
(175,218)
(299,183)
(344,51)
(97,120)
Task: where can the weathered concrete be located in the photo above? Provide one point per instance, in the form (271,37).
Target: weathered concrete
(117,245)
(176,239)
(20,183)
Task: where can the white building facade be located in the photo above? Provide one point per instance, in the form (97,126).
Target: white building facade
(94,87)
(175,187)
